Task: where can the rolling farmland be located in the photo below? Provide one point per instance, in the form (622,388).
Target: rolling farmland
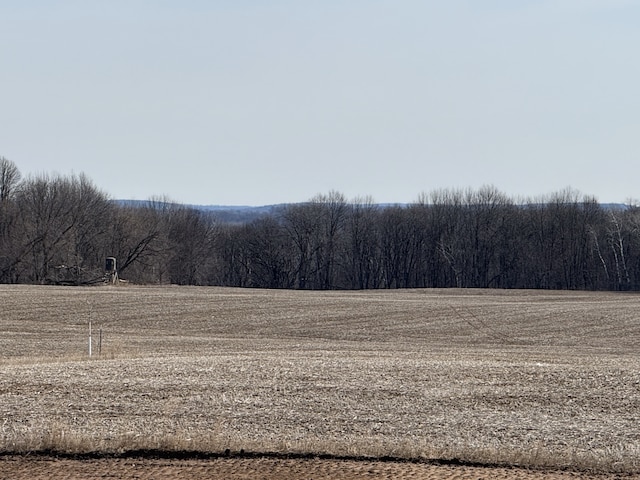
(538,379)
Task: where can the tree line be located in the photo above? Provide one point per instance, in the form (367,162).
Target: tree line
(58,229)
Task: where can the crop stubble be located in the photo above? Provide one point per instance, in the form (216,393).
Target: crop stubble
(501,377)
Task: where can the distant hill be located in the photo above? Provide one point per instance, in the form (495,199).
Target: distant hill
(240,214)
(224,213)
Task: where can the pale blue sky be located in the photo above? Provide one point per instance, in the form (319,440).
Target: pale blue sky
(260,102)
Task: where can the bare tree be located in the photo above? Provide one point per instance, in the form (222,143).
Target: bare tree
(45,219)
(56,229)
(448,219)
(397,256)
(62,228)
(136,241)
(617,238)
(303,223)
(332,210)
(232,257)
(270,252)
(9,179)
(9,241)
(360,253)
(191,236)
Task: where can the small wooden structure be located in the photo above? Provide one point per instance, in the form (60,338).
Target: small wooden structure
(110,270)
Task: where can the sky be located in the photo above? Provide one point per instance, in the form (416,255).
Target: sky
(246,102)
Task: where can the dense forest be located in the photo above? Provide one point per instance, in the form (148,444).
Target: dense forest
(60,229)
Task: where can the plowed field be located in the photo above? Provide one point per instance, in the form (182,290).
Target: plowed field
(548,381)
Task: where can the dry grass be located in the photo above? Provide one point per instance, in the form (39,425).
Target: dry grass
(540,379)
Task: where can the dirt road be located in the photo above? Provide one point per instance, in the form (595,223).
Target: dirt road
(34,468)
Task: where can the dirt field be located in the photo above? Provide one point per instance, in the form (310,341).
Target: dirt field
(265,469)
(544,380)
